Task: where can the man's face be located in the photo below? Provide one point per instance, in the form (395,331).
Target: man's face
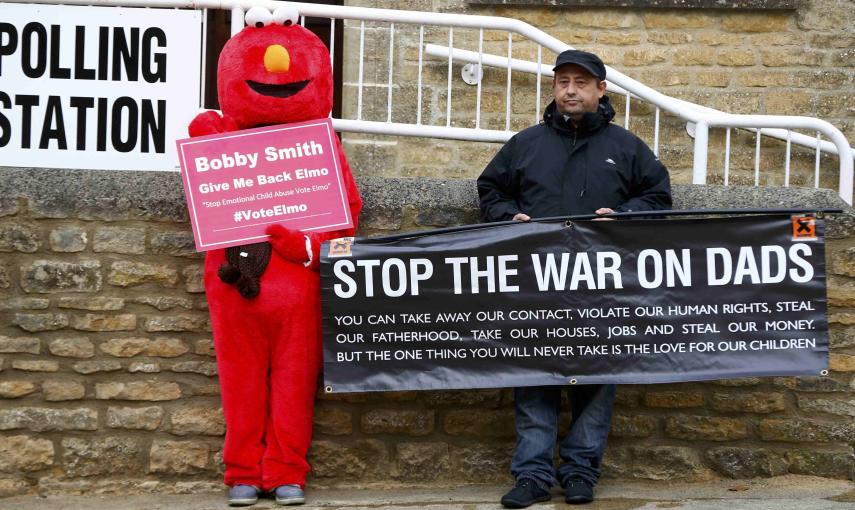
(576,91)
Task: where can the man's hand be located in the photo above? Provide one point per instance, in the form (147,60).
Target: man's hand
(602,211)
(522,217)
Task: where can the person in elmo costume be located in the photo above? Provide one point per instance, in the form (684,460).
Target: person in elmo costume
(264,298)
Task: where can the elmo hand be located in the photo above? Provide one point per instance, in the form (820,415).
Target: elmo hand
(211,122)
(292,246)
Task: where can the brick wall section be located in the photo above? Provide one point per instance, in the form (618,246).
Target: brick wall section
(788,62)
(108,377)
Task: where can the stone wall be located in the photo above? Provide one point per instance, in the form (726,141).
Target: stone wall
(763,61)
(108,376)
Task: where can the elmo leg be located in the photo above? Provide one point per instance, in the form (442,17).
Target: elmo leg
(243,363)
(293,383)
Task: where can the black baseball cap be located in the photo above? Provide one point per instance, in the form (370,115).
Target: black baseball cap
(588,61)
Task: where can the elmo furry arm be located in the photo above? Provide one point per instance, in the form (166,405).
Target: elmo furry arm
(291,244)
(211,122)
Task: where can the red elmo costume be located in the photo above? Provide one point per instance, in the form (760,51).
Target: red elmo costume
(265,304)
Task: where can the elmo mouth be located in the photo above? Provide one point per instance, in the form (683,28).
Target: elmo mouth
(281,91)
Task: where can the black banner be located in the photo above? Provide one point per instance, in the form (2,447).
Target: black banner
(550,303)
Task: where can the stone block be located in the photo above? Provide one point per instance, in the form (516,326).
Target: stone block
(163,347)
(138,390)
(124,347)
(645,57)
(163,303)
(788,103)
(205,390)
(756,22)
(72,347)
(466,398)
(838,464)
(102,322)
(668,38)
(619,38)
(125,240)
(125,273)
(178,323)
(24,453)
(108,456)
(764,79)
(16,389)
(24,303)
(94,304)
(795,430)
(13,487)
(693,57)
(841,338)
(204,347)
(46,276)
(41,419)
(178,457)
(844,58)
(60,391)
(198,421)
(674,399)
(481,462)
(736,58)
(177,243)
(134,418)
(738,382)
(812,404)
(776,39)
(655,463)
(681,19)
(68,239)
(841,362)
(748,402)
(422,462)
(404,422)
(20,238)
(364,459)
(791,58)
(35,322)
(19,345)
(812,383)
(208,368)
(36,365)
(91,367)
(193,278)
(478,423)
(333,421)
(633,425)
(746,462)
(4,278)
(710,428)
(837,104)
(145,368)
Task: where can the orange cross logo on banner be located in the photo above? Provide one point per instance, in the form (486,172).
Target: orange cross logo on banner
(804,227)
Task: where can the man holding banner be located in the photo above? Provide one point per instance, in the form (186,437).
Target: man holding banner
(574,162)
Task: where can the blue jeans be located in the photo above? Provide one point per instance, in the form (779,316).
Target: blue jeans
(581,450)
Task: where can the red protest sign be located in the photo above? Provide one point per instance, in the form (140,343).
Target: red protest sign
(240,182)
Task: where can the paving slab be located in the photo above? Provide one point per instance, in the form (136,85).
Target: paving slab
(791,492)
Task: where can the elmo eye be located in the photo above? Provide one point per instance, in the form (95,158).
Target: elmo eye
(286,15)
(258,17)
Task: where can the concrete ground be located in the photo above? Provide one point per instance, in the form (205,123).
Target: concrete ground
(789,492)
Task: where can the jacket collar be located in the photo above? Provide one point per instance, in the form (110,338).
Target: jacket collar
(590,124)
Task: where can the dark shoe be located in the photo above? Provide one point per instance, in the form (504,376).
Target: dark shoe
(578,492)
(525,493)
(243,495)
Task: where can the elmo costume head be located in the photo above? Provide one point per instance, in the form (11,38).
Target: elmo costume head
(274,71)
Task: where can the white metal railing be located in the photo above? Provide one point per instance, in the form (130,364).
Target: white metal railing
(699,118)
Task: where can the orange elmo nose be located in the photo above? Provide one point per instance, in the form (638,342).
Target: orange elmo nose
(277,59)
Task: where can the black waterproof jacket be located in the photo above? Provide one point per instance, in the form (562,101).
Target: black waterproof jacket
(558,169)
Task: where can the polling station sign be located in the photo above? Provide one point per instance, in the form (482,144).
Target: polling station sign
(97,87)
(549,303)
(238,183)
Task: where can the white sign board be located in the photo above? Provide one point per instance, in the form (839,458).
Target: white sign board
(97,87)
